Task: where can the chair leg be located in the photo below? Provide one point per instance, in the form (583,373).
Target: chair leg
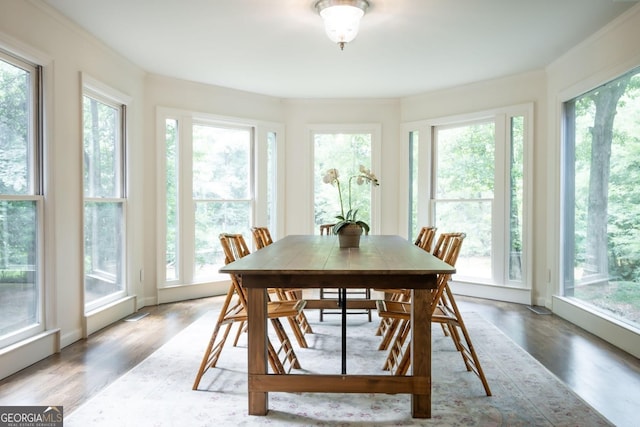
(405,362)
(304,323)
(397,348)
(212,352)
(297,331)
(382,326)
(468,352)
(289,354)
(274,360)
(389,333)
(241,329)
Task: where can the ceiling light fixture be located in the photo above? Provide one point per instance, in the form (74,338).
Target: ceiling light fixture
(341,18)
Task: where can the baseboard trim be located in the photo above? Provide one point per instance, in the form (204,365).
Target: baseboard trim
(27,352)
(105,316)
(186,292)
(492,292)
(611,330)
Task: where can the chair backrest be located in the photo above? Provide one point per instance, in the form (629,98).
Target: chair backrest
(326,229)
(450,249)
(425,238)
(261,237)
(440,248)
(235,247)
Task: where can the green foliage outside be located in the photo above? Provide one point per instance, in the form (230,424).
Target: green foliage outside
(606,216)
(17,217)
(344,152)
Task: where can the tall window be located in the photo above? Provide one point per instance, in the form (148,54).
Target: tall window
(222,191)
(464,192)
(477,179)
(21,307)
(104,198)
(172,192)
(220,177)
(344,152)
(601,212)
(414,167)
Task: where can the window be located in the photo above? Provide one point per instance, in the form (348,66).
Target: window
(21,201)
(222,191)
(172,195)
(476,181)
(104,196)
(345,152)
(601,211)
(220,176)
(463,194)
(414,167)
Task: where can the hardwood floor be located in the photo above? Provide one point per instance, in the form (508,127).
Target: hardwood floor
(604,376)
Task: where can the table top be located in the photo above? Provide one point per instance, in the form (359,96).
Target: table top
(308,255)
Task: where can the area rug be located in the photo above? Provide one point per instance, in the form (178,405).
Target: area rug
(158,392)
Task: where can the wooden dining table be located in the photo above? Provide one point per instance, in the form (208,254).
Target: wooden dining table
(310,262)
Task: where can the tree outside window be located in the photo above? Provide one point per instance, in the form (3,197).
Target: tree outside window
(601,218)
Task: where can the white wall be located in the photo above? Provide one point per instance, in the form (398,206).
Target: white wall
(46,38)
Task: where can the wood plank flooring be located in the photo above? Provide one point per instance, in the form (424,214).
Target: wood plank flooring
(604,376)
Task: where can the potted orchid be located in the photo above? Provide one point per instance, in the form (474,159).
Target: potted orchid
(348,222)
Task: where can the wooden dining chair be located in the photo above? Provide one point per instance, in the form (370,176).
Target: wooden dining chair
(234,311)
(326,229)
(399,311)
(391,326)
(330,293)
(299,324)
(445,312)
(425,238)
(387,326)
(261,237)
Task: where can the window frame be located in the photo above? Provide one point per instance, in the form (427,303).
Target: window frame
(500,236)
(185,283)
(564,293)
(375,130)
(101,92)
(36,190)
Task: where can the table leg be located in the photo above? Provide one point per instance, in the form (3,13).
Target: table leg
(421,348)
(257,347)
(343,303)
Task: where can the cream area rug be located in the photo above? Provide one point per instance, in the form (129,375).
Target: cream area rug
(158,392)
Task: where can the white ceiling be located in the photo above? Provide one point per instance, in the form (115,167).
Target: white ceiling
(279,48)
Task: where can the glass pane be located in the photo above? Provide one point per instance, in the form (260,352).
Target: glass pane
(221,163)
(213,218)
(18,266)
(171,147)
(516,213)
(15,130)
(474,219)
(602,213)
(101,149)
(103,243)
(344,152)
(465,174)
(272,182)
(414,139)
(466,162)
